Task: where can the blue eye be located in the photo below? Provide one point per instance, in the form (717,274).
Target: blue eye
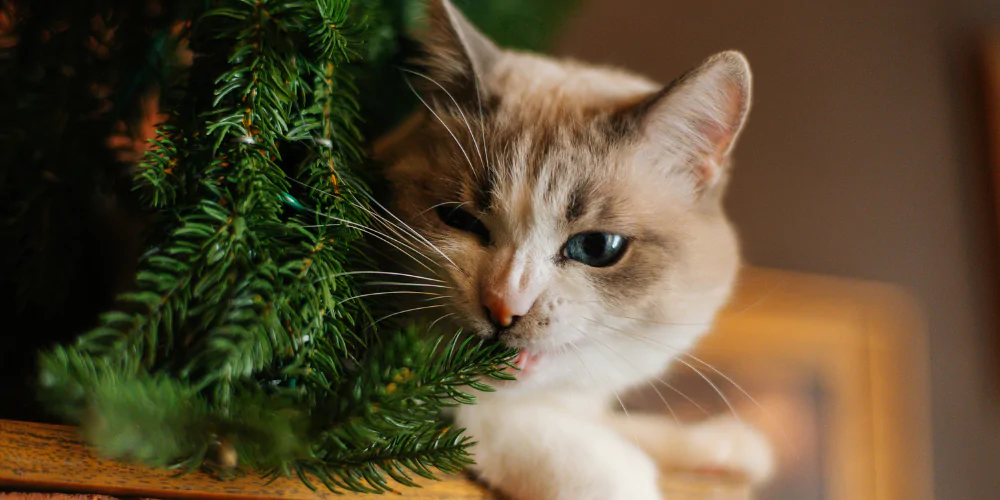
(595,249)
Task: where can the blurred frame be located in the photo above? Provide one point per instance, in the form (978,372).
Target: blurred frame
(990,67)
(837,372)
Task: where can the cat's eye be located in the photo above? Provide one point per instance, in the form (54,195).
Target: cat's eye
(595,249)
(463,221)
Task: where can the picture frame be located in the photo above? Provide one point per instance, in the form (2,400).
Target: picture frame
(834,371)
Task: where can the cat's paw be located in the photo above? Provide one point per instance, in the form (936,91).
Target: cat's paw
(611,475)
(731,445)
(628,477)
(627,480)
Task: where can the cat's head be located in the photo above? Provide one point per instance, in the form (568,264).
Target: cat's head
(561,204)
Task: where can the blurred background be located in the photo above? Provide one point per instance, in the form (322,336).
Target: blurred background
(865,156)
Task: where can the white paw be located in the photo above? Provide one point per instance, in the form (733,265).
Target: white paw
(628,478)
(580,473)
(732,445)
(620,478)
(614,483)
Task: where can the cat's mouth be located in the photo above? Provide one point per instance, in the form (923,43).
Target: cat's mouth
(525,361)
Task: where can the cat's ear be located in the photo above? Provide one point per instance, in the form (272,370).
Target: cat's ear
(693,124)
(456,56)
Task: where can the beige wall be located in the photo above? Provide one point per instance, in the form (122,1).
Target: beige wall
(861,159)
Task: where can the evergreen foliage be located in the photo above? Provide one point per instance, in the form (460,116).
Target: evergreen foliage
(242,340)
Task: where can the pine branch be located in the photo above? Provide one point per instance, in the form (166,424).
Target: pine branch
(242,341)
(432,446)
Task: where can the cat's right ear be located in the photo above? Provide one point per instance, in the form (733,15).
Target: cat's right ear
(456,56)
(691,126)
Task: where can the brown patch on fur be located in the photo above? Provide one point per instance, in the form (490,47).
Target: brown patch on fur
(483,190)
(577,204)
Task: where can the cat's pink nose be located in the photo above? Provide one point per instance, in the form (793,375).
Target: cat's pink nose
(504,310)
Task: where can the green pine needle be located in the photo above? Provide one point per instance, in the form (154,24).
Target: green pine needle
(239,342)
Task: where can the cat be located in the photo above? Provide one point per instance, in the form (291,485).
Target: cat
(575,214)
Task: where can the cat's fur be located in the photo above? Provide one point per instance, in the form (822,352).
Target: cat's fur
(541,149)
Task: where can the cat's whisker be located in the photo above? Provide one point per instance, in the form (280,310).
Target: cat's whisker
(655,389)
(655,377)
(390,241)
(763,297)
(482,121)
(460,205)
(387,273)
(607,306)
(402,239)
(621,403)
(635,335)
(397,313)
(372,231)
(443,124)
(382,253)
(685,396)
(665,403)
(404,283)
(396,230)
(439,296)
(367,230)
(416,255)
(431,326)
(661,323)
(394,292)
(388,224)
(682,352)
(712,384)
(659,343)
(482,118)
(382,238)
(660,394)
(583,360)
(610,386)
(416,234)
(664,323)
(455,102)
(582,357)
(760,300)
(760,407)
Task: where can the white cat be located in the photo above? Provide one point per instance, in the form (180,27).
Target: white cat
(577,210)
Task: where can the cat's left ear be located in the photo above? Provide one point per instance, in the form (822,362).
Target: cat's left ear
(693,124)
(457,57)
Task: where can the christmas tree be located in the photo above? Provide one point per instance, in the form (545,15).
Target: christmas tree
(244,338)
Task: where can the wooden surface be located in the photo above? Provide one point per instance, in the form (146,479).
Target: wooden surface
(42,457)
(53,496)
(53,458)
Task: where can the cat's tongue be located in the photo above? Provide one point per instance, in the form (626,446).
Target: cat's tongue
(524,361)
